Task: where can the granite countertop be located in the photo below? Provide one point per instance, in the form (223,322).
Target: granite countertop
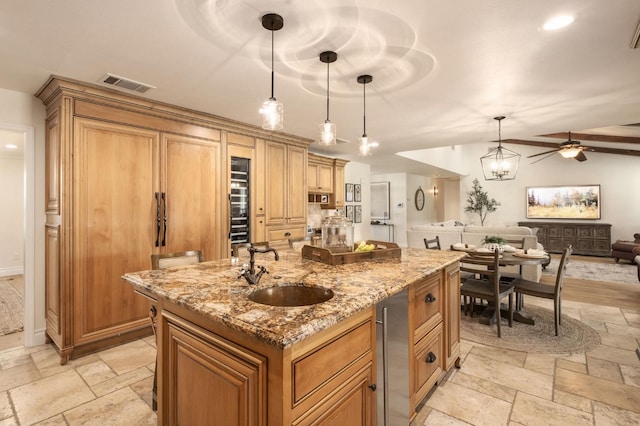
(213,290)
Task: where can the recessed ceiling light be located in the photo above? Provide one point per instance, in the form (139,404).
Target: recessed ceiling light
(11,146)
(557,22)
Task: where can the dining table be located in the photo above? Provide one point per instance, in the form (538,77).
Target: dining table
(511,258)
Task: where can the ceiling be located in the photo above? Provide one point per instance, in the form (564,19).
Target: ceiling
(441,69)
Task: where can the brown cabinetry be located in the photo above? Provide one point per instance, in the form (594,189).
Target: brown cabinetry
(285,190)
(210,374)
(326,181)
(125,178)
(592,239)
(434,324)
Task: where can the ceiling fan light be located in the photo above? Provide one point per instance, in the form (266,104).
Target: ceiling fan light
(272,113)
(570,152)
(328,133)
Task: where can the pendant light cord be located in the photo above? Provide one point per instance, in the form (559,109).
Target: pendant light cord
(364,117)
(272,71)
(327,91)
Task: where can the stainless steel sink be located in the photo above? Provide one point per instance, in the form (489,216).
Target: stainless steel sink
(294,294)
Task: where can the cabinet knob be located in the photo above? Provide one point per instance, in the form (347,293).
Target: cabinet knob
(430,298)
(287,234)
(431,358)
(373,387)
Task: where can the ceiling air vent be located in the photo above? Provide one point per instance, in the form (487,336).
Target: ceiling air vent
(126,83)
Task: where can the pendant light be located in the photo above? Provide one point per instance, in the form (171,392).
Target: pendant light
(328,129)
(500,163)
(365,145)
(272,111)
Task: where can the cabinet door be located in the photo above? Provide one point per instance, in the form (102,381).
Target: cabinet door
(276,183)
(296,185)
(209,380)
(338,182)
(312,177)
(191,174)
(115,173)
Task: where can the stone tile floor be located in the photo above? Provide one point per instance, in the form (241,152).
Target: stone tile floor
(493,387)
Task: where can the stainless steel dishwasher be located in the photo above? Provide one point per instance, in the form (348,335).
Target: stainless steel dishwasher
(392,350)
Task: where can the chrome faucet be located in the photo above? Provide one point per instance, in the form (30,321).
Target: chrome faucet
(250,274)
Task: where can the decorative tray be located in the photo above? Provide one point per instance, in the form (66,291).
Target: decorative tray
(383,250)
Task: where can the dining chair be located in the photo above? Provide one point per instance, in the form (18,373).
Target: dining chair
(546,291)
(298,243)
(486,285)
(163,261)
(510,276)
(235,248)
(433,243)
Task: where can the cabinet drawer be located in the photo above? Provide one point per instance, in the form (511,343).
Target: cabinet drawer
(427,299)
(285,233)
(427,363)
(311,371)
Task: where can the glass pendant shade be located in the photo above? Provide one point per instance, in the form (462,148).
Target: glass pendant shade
(272,113)
(500,163)
(364,148)
(328,133)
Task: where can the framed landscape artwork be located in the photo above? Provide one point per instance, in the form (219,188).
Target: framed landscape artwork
(563,202)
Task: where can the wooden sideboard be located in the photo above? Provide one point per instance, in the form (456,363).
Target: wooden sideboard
(592,239)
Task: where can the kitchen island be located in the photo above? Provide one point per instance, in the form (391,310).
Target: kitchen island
(224,357)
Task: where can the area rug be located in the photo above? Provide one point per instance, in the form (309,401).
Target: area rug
(625,273)
(11,308)
(574,336)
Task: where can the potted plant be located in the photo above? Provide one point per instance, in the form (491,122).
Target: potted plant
(478,201)
(494,241)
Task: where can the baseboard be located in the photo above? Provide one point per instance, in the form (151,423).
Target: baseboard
(39,337)
(7,272)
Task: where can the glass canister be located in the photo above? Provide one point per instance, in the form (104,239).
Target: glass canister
(337,234)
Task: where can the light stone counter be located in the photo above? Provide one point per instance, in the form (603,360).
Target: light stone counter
(213,290)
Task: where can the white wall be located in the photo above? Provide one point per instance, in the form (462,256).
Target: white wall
(404,213)
(616,175)
(24,112)
(12,215)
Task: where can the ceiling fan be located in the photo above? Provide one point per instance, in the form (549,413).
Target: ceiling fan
(568,149)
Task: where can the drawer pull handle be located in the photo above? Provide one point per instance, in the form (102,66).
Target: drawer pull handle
(430,298)
(373,387)
(431,358)
(287,234)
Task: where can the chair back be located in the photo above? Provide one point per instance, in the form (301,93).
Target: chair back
(516,243)
(170,260)
(297,243)
(433,243)
(483,265)
(562,266)
(235,248)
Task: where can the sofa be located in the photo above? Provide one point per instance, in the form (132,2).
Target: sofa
(622,249)
(453,232)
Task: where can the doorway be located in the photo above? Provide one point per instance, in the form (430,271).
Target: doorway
(17,149)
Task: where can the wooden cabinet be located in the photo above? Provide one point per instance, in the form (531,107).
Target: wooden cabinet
(592,239)
(326,181)
(285,189)
(319,174)
(210,374)
(434,324)
(125,178)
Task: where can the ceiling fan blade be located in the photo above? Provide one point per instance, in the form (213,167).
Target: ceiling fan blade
(581,157)
(543,153)
(549,154)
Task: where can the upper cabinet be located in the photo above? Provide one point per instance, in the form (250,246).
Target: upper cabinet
(127,177)
(285,190)
(319,174)
(325,177)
